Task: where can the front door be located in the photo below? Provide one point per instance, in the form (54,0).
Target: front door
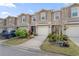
(33,29)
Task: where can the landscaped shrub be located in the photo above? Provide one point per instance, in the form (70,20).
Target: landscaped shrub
(53,37)
(49,36)
(61,40)
(22,33)
(65,38)
(61,37)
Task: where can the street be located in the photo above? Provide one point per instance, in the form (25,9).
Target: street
(11,51)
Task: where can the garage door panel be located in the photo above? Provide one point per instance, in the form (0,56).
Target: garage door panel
(43,30)
(73,31)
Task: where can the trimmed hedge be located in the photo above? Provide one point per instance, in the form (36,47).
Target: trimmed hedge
(56,37)
(22,33)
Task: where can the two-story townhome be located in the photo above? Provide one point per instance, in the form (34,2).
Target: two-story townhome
(56,22)
(23,21)
(10,23)
(41,21)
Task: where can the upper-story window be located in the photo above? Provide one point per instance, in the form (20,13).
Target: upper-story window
(23,18)
(33,18)
(74,12)
(43,16)
(56,15)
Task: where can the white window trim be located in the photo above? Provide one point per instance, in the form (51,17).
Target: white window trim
(43,14)
(56,14)
(72,15)
(23,17)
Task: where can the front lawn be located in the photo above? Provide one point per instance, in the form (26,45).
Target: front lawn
(15,41)
(73,50)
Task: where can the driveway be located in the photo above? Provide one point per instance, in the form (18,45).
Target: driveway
(34,43)
(75,39)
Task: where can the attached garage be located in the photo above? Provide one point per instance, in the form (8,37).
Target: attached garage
(43,30)
(73,30)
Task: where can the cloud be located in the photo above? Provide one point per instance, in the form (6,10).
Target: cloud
(67,4)
(8,5)
(4,14)
(30,11)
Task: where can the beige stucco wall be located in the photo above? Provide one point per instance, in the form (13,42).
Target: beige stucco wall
(10,21)
(25,23)
(47,17)
(1,23)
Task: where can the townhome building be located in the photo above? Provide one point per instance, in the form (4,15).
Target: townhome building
(10,23)
(70,19)
(23,21)
(43,22)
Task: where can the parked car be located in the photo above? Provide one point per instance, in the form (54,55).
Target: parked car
(12,33)
(5,34)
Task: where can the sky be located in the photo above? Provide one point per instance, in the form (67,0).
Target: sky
(15,9)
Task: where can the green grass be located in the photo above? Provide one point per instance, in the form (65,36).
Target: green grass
(15,41)
(73,50)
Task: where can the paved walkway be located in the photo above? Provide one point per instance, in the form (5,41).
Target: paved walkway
(34,43)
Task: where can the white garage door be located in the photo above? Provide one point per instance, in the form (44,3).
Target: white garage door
(43,30)
(73,31)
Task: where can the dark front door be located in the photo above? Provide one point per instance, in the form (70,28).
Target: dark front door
(33,29)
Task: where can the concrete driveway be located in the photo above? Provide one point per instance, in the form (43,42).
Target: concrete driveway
(75,39)
(34,43)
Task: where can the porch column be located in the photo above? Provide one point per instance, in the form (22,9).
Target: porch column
(63,31)
(50,31)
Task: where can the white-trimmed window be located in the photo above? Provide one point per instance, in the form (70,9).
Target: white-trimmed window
(43,16)
(74,12)
(56,15)
(33,19)
(23,19)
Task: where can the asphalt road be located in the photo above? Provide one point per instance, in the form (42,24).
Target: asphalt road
(12,51)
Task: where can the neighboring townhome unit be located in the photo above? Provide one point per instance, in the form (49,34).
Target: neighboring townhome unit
(70,17)
(23,21)
(1,24)
(10,23)
(56,22)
